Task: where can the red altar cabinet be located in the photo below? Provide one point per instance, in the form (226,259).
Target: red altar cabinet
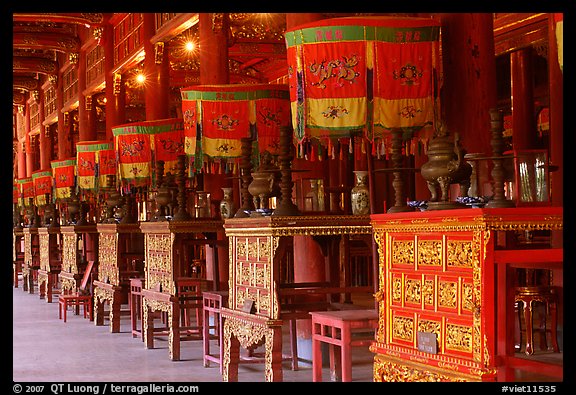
(31,259)
(17,254)
(50,260)
(260,300)
(446,300)
(172,284)
(120,258)
(79,245)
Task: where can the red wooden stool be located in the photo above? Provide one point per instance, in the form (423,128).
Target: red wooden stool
(336,329)
(529,297)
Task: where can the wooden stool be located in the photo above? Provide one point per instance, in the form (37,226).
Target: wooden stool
(336,329)
(528,297)
(212,302)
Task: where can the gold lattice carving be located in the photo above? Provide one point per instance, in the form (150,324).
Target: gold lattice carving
(159,262)
(460,253)
(447,294)
(403,252)
(412,291)
(389,371)
(44,244)
(459,338)
(430,252)
(428,292)
(253,250)
(467,297)
(27,250)
(403,328)
(264,250)
(69,258)
(397,289)
(241,249)
(107,257)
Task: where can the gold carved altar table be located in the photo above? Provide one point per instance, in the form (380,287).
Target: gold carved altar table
(446,310)
(31,259)
(50,260)
(79,245)
(169,287)
(258,247)
(120,256)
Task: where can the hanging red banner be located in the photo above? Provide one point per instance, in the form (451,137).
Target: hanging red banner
(64,175)
(139,145)
(26,186)
(221,115)
(106,161)
(362,76)
(87,166)
(42,181)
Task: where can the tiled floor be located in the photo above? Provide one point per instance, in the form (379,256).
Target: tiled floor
(47,349)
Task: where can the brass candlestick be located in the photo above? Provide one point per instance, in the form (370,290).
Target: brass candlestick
(181,214)
(246,177)
(398,183)
(497,142)
(286,205)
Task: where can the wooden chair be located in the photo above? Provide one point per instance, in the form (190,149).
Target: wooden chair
(81,297)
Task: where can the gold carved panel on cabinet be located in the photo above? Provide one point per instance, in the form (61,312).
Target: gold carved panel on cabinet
(253,275)
(108,258)
(69,248)
(44,252)
(439,275)
(159,270)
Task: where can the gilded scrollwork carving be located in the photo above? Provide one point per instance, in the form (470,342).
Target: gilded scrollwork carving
(402,328)
(44,244)
(107,256)
(447,294)
(392,371)
(412,291)
(460,253)
(430,252)
(459,338)
(403,252)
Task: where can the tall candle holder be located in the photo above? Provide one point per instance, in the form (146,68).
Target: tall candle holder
(181,214)
(497,142)
(246,177)
(398,181)
(286,205)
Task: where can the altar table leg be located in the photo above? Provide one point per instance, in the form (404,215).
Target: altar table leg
(274,355)
(148,319)
(174,328)
(115,312)
(231,359)
(98,312)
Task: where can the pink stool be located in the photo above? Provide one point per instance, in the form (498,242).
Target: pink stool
(336,329)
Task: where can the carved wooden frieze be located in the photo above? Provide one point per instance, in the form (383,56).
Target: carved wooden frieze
(44,251)
(159,270)
(108,258)
(69,248)
(252,277)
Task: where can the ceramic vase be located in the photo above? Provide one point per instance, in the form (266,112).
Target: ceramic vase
(227,208)
(360,194)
